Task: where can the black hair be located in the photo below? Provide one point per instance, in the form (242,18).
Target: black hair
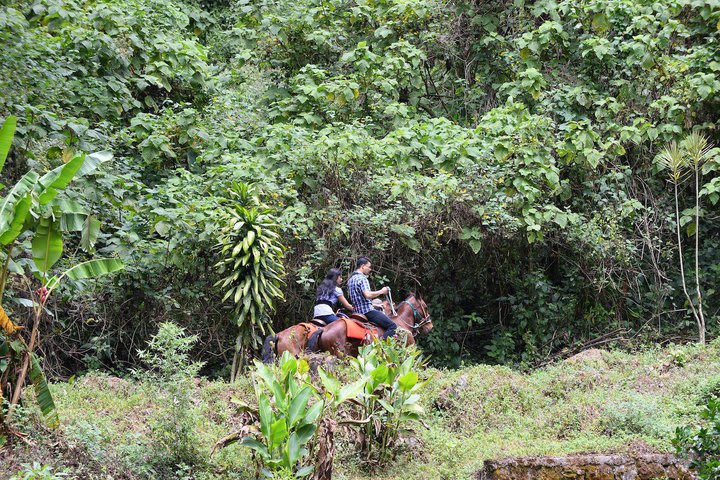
(328,285)
(362,261)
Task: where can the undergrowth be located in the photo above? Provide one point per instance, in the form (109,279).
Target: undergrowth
(605,402)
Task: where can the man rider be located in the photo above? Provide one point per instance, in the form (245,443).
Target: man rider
(361,297)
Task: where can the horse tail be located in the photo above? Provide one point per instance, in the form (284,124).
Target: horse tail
(268,351)
(314,341)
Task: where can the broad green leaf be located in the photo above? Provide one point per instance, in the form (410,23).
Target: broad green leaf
(305,433)
(297,406)
(351,390)
(72,222)
(331,384)
(265,416)
(293,449)
(278,432)
(7,132)
(47,244)
(90,232)
(304,471)
(408,381)
(314,412)
(42,392)
(600,22)
(22,208)
(379,375)
(94,268)
(255,445)
(386,405)
(93,161)
(58,178)
(73,214)
(9,204)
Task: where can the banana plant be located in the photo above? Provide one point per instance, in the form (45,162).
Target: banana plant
(32,209)
(252,269)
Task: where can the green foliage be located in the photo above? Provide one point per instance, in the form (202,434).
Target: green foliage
(703,444)
(390,399)
(504,141)
(287,418)
(37,471)
(168,353)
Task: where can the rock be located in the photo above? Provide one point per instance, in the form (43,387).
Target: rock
(587,467)
(448,396)
(590,354)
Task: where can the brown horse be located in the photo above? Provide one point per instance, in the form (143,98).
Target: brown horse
(412,316)
(294,339)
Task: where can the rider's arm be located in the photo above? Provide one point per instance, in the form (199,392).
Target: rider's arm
(370,294)
(345,303)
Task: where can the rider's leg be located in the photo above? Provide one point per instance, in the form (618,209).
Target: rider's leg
(381,320)
(328,319)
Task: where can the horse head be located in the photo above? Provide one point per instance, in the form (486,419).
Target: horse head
(421,314)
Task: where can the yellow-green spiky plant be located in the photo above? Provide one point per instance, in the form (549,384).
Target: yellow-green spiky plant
(252,269)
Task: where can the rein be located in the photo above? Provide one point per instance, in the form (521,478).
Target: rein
(415,328)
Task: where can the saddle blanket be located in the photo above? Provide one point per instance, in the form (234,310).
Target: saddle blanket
(359,330)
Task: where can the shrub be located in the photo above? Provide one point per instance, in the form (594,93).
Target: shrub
(168,354)
(36,471)
(390,398)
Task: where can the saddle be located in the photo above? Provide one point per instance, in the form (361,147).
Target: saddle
(358,328)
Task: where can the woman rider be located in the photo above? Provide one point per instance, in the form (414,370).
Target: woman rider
(328,295)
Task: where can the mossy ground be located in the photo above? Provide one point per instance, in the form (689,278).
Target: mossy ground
(601,402)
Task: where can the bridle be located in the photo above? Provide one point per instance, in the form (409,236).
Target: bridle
(419,320)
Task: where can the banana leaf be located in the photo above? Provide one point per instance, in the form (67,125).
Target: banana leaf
(42,393)
(90,232)
(9,209)
(58,178)
(22,208)
(94,268)
(93,161)
(6,136)
(47,244)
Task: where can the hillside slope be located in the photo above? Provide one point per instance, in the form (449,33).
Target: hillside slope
(597,401)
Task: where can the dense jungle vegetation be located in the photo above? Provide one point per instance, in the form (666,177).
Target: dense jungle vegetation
(177,176)
(501,158)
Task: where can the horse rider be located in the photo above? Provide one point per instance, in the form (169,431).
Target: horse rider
(328,295)
(361,297)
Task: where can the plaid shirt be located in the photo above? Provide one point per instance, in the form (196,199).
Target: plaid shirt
(358,284)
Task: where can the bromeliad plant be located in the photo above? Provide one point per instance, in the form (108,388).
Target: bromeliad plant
(33,217)
(252,270)
(390,398)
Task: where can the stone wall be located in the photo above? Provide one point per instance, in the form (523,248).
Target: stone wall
(587,467)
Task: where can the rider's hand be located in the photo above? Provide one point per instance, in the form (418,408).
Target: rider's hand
(384,291)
